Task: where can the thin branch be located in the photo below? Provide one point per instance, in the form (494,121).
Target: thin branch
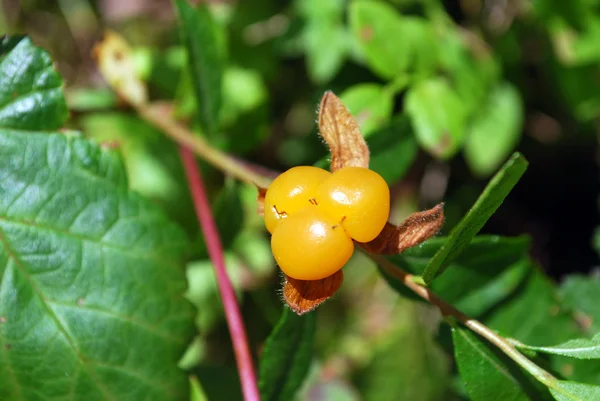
(448,310)
(215,250)
(180,134)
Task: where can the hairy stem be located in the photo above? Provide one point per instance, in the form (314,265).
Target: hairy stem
(446,309)
(215,251)
(180,134)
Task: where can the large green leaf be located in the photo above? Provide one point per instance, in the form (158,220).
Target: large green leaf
(438,116)
(581,348)
(287,356)
(200,35)
(92,278)
(573,391)
(31,95)
(485,374)
(490,200)
(495,130)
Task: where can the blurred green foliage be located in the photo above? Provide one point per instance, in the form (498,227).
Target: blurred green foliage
(427,88)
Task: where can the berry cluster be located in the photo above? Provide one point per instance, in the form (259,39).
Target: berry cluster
(314,216)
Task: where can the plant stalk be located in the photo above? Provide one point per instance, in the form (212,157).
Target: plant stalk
(235,323)
(474,325)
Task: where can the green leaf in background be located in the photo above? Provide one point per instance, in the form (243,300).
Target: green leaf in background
(582,295)
(573,391)
(31,91)
(287,356)
(495,130)
(391,43)
(492,197)
(438,116)
(393,149)
(370,104)
(92,278)
(581,348)
(200,35)
(324,65)
(196,391)
(373,24)
(406,364)
(485,374)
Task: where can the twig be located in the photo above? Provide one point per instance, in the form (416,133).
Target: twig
(448,310)
(215,251)
(183,136)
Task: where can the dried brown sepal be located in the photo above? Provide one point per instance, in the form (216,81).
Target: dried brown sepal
(304,296)
(260,199)
(116,65)
(342,134)
(417,228)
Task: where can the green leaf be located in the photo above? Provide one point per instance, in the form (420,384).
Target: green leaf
(92,278)
(196,391)
(581,348)
(495,130)
(582,294)
(438,117)
(31,91)
(392,43)
(200,35)
(412,354)
(485,375)
(370,104)
(287,355)
(491,198)
(324,65)
(573,391)
(393,149)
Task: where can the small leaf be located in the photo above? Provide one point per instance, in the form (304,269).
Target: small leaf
(418,227)
(438,117)
(200,36)
(573,391)
(304,296)
(342,134)
(31,91)
(116,64)
(287,356)
(491,198)
(485,375)
(495,130)
(323,65)
(196,391)
(581,348)
(371,104)
(392,43)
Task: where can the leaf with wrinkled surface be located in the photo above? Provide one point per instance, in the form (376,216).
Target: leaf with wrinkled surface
(342,134)
(287,356)
(490,200)
(31,91)
(92,278)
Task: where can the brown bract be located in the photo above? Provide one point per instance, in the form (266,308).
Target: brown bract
(348,148)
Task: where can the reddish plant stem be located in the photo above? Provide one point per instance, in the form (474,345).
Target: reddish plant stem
(237,331)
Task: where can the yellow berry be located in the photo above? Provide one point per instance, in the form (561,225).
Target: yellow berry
(309,245)
(290,192)
(359,199)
